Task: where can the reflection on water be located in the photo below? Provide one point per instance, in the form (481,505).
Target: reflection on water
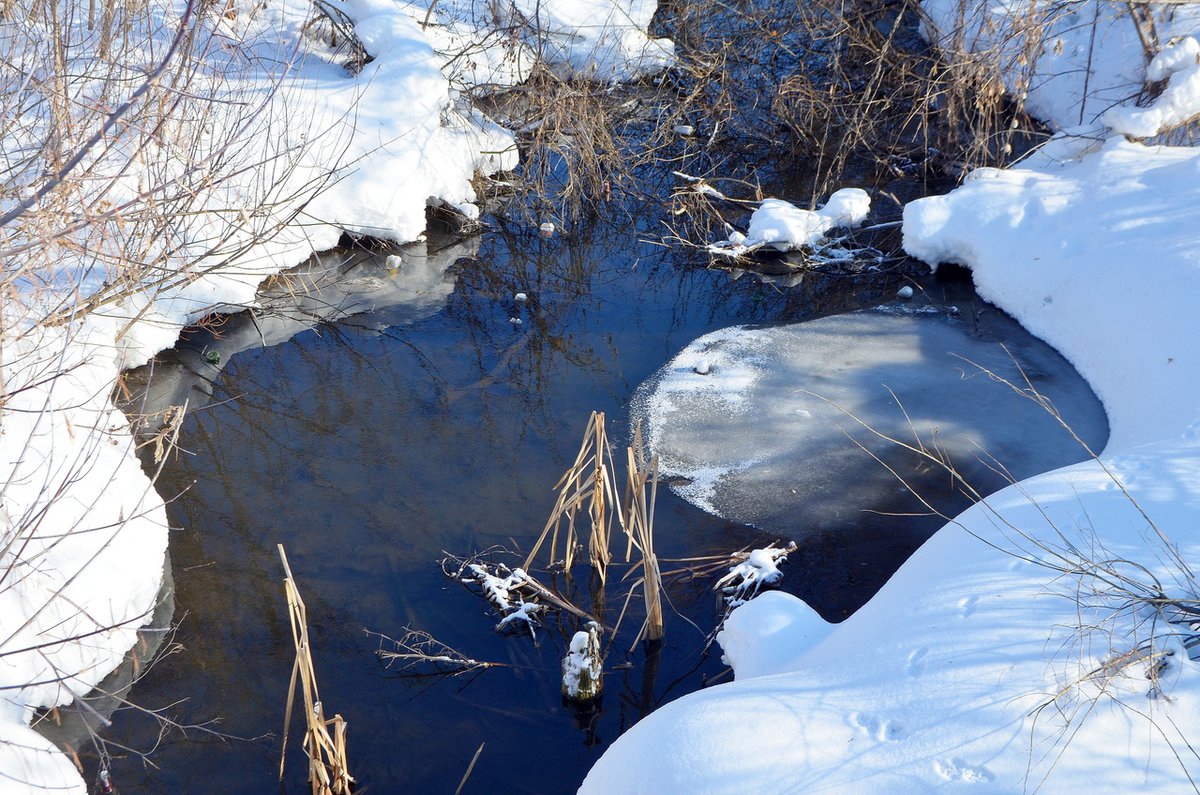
(369,445)
(392,288)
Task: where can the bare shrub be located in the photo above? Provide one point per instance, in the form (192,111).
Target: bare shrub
(126,171)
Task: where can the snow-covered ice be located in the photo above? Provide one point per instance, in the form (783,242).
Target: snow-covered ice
(770,435)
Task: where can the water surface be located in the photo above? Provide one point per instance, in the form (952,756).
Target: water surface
(369,445)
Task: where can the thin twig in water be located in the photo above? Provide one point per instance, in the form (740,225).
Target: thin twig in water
(417,653)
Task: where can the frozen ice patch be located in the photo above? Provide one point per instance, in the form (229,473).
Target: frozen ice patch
(763,438)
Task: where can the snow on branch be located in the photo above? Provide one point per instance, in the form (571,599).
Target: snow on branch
(512,592)
(781,226)
(746,578)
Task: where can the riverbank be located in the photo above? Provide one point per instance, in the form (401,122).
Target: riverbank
(1041,639)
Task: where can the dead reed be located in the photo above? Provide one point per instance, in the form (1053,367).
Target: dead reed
(324,739)
(643,478)
(588,483)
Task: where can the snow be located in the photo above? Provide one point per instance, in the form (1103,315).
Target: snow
(948,677)
(294,151)
(498,590)
(768,638)
(785,227)
(582,667)
(996,658)
(1067,62)
(599,39)
(1175,105)
(523,614)
(744,580)
(1106,229)
(596,39)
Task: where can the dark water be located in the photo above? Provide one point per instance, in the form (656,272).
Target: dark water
(370,445)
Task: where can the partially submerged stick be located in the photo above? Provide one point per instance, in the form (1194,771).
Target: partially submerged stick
(474,570)
(417,653)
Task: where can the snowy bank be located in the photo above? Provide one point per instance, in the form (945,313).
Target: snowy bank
(1022,648)
(1065,63)
(272,151)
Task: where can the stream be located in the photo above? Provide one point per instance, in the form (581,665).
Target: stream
(371,417)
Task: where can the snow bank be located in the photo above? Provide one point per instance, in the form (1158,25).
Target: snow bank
(1177,103)
(599,39)
(294,150)
(768,638)
(602,40)
(1070,62)
(1110,230)
(30,762)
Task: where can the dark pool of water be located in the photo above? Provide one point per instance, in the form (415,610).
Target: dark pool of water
(369,446)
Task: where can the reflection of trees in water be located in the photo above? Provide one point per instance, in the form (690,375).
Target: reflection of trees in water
(594,296)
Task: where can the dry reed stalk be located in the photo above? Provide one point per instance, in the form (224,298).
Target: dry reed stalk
(324,740)
(463,782)
(640,530)
(588,482)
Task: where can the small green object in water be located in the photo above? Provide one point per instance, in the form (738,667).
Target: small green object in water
(212,357)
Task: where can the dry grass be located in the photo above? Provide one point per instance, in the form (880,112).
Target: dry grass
(574,156)
(884,96)
(324,739)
